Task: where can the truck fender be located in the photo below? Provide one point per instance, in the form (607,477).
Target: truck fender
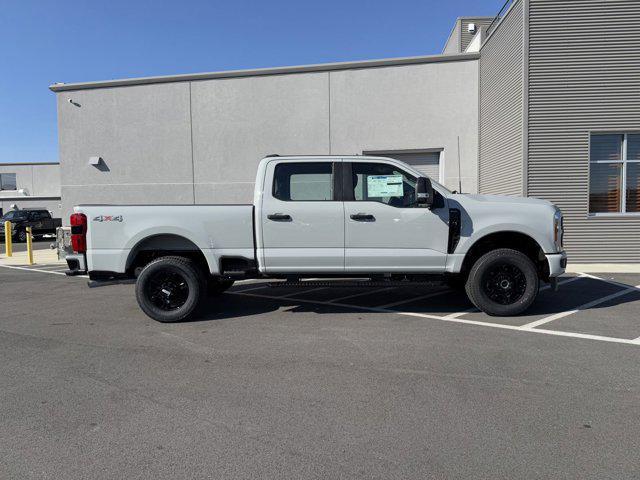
(175,239)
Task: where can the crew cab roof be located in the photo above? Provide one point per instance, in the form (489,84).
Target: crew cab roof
(311,158)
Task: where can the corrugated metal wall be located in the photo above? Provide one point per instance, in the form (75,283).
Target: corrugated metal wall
(465,36)
(501,107)
(584,75)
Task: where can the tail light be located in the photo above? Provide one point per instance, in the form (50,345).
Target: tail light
(79,232)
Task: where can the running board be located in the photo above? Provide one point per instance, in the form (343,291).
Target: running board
(342,284)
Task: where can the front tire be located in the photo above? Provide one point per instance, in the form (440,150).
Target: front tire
(21,236)
(503,282)
(169,289)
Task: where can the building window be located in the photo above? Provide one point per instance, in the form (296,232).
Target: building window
(8,181)
(614,179)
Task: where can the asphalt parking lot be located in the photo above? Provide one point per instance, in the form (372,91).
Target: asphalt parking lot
(397,382)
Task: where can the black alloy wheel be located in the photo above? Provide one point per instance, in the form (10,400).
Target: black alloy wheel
(167,290)
(504,283)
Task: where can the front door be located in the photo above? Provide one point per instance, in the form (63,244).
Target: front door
(385,229)
(302,218)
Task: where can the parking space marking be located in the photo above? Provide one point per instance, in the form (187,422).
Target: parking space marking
(300,292)
(452,318)
(339,299)
(463,321)
(415,299)
(584,306)
(253,288)
(544,287)
(13,267)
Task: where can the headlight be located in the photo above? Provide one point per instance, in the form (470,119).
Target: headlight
(558,229)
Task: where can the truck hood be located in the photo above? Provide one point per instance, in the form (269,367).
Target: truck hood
(501,199)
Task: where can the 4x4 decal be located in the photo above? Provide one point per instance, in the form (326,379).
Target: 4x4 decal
(108,218)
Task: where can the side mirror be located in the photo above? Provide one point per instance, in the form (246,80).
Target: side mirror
(424,192)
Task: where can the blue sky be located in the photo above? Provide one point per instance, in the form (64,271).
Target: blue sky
(42,42)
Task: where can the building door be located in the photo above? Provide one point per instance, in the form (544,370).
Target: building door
(385,229)
(427,163)
(302,218)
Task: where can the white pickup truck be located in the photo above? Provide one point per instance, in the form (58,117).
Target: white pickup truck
(325,217)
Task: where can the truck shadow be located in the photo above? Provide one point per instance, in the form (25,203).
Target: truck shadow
(235,304)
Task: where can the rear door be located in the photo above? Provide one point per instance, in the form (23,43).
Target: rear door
(302,217)
(385,229)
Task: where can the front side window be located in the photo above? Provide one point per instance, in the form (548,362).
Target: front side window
(8,181)
(381,182)
(303,181)
(614,180)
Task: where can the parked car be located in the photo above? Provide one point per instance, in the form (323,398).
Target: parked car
(39,220)
(331,217)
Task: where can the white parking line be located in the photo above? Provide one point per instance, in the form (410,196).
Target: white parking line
(455,320)
(449,318)
(544,287)
(299,292)
(253,288)
(415,299)
(41,271)
(584,306)
(57,266)
(339,299)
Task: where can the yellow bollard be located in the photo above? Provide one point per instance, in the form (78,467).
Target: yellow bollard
(29,246)
(8,245)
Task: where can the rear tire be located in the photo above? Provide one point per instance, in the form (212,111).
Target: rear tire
(503,282)
(170,289)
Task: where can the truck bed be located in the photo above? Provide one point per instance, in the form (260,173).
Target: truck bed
(115,231)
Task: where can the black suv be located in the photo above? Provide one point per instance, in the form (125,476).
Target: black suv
(40,222)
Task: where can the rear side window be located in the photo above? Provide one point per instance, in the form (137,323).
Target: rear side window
(303,181)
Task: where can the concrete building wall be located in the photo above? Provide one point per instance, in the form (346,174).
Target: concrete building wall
(40,180)
(423,107)
(143,135)
(502,95)
(236,122)
(584,76)
(200,141)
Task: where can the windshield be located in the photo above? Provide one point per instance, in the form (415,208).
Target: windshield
(14,215)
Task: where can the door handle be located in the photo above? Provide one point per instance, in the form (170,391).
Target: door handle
(363,217)
(279,217)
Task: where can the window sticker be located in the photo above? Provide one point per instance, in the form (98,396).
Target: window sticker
(384,186)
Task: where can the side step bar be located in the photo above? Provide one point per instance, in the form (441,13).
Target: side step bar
(351,283)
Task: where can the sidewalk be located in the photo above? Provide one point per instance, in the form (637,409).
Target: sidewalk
(40,257)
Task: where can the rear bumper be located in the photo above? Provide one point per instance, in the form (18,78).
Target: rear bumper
(77,264)
(557,263)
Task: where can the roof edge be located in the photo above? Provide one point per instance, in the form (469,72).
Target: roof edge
(499,23)
(27,164)
(322,67)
